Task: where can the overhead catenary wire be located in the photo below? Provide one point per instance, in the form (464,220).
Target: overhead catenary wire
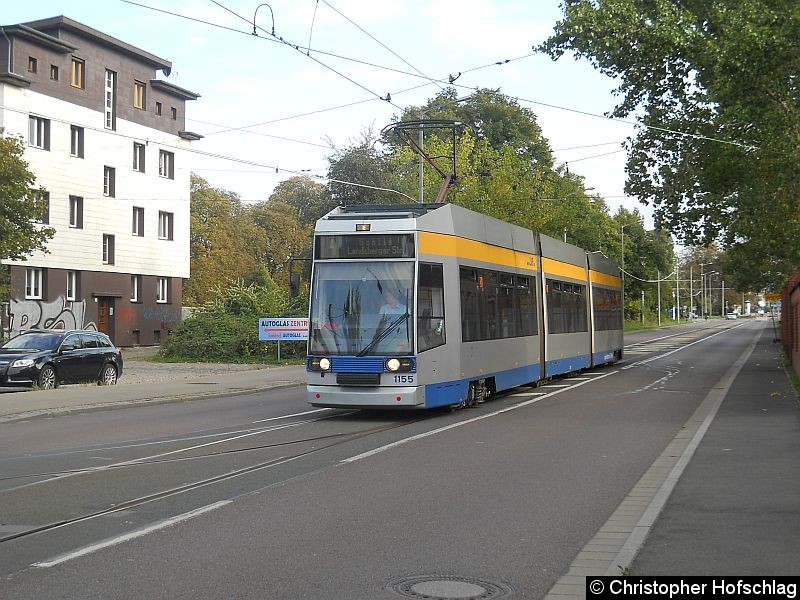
(340,13)
(296,47)
(450,81)
(189,149)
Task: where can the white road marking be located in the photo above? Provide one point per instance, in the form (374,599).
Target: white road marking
(300,414)
(144,459)
(468,421)
(131,535)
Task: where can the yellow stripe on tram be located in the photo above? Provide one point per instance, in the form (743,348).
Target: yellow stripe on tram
(452,245)
(605,279)
(556,267)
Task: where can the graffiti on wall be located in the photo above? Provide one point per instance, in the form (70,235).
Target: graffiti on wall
(38,314)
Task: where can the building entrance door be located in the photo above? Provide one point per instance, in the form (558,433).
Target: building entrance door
(105,315)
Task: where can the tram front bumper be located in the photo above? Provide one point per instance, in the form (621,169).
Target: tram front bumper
(334,396)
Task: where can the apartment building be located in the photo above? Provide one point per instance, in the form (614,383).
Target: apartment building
(105,135)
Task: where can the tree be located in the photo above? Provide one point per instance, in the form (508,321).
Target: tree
(491,116)
(309,198)
(281,235)
(22,206)
(222,241)
(361,174)
(717,150)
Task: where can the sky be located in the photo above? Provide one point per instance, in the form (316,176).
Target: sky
(267,104)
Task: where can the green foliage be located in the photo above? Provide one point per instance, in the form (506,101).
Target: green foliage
(226,329)
(220,243)
(22,206)
(281,237)
(715,86)
(310,199)
(230,241)
(367,164)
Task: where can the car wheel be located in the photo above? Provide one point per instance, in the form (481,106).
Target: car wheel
(109,375)
(47,378)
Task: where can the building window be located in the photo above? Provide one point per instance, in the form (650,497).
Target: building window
(78,73)
(139,90)
(108,249)
(39,132)
(33,65)
(33,284)
(76,212)
(76,141)
(72,285)
(165,220)
(111,100)
(158,108)
(136,288)
(138,157)
(166,164)
(162,290)
(109,181)
(174,114)
(54,72)
(138,221)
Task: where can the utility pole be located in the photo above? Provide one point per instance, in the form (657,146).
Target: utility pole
(642,306)
(421,160)
(722,306)
(658,287)
(677,294)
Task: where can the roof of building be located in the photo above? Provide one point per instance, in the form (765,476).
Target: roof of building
(52,26)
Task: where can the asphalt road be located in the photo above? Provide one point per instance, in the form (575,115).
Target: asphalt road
(263,496)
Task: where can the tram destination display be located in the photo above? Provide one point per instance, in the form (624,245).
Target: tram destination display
(388,245)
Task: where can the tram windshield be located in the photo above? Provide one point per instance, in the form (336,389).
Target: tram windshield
(362,309)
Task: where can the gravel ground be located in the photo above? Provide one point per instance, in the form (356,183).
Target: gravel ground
(137,369)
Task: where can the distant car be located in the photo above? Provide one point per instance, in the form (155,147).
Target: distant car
(731,316)
(48,358)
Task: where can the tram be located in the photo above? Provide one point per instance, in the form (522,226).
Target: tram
(432,305)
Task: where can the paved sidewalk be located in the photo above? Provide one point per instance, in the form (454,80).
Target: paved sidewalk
(736,508)
(71,398)
(721,501)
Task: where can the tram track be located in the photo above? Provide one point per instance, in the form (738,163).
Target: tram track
(194,485)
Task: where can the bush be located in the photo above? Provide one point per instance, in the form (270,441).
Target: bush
(226,329)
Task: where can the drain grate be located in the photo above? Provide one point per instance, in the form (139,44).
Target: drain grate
(448,587)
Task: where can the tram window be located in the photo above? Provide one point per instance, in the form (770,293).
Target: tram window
(488,305)
(470,323)
(526,307)
(508,321)
(430,307)
(566,304)
(607,306)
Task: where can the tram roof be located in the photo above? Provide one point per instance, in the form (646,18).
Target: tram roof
(452,219)
(382,211)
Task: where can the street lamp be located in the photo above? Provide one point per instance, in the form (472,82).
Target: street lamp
(702,291)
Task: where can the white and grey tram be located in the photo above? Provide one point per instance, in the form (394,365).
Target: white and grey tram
(430,305)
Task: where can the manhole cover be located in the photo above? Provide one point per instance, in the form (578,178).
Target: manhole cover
(447,587)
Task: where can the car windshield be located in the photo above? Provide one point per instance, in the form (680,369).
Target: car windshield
(34,341)
(362,309)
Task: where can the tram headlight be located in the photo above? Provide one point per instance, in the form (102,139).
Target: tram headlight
(320,363)
(399,364)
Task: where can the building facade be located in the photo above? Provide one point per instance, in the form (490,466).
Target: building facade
(106,138)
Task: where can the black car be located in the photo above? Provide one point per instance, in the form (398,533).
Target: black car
(47,358)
